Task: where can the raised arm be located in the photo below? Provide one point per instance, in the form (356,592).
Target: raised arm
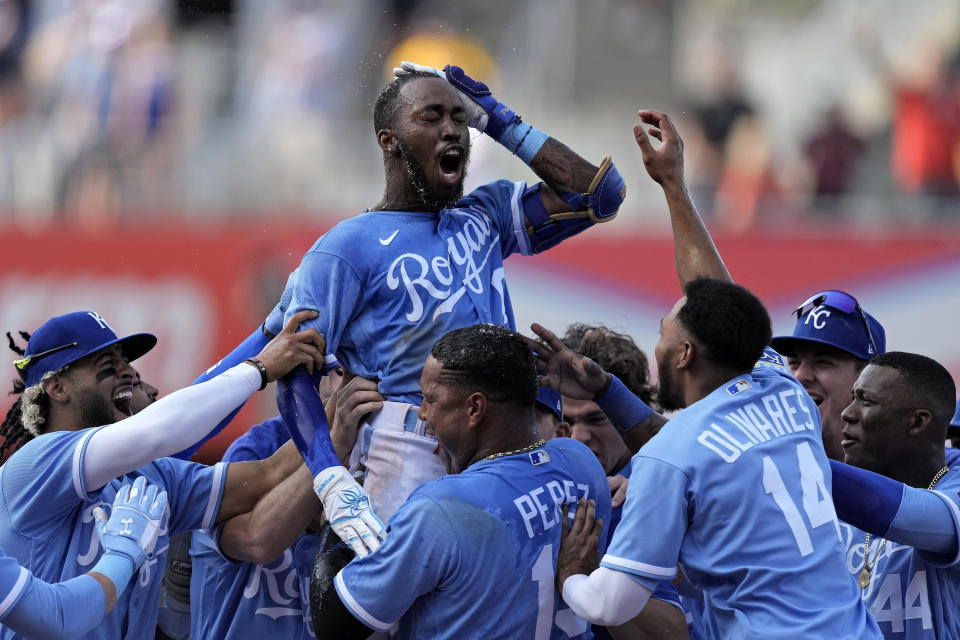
(695,253)
(577,376)
(574,193)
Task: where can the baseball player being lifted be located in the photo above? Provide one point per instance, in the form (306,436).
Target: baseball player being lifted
(421,262)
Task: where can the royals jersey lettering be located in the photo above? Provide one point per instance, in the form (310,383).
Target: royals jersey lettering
(911,594)
(236,600)
(46,521)
(473,555)
(388,284)
(739,488)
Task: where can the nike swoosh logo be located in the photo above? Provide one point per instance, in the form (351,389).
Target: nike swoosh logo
(390,238)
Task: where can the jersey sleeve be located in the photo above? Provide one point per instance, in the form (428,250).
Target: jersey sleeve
(44,480)
(194,493)
(940,560)
(420,553)
(327,284)
(13,582)
(59,610)
(666,592)
(658,493)
(503,201)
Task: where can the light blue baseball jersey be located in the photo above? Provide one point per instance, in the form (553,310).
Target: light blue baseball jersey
(13,583)
(234,600)
(46,521)
(736,489)
(665,590)
(912,594)
(30,604)
(388,284)
(473,555)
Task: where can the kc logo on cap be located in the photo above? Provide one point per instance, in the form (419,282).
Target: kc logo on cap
(63,340)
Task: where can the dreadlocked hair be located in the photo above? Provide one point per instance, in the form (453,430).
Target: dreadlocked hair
(12,430)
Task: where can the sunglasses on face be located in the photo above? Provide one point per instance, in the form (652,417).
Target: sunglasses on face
(22,363)
(841,302)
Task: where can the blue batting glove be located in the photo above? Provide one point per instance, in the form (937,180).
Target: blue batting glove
(135,522)
(484,112)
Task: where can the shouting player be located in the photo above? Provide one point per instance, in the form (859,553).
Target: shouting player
(738,484)
(426,259)
(78,378)
(472,554)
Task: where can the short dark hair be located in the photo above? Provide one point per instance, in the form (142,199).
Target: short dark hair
(385,108)
(728,321)
(925,379)
(491,359)
(616,352)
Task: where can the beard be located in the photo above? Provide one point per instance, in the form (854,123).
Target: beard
(432,195)
(95,410)
(667,393)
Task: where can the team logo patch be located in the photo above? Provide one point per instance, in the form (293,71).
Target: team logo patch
(738,386)
(773,360)
(539,457)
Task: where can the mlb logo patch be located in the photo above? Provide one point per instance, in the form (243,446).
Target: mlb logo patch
(539,457)
(738,386)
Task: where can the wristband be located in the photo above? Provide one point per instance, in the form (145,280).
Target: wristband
(622,407)
(263,372)
(523,140)
(116,566)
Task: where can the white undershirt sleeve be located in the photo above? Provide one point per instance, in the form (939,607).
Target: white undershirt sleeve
(166,427)
(605,597)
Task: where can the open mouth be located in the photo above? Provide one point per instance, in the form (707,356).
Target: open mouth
(123,400)
(816,397)
(451,165)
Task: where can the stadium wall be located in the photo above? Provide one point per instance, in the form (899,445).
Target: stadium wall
(203,289)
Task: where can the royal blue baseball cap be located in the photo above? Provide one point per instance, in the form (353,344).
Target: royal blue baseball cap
(551,400)
(65,339)
(834,318)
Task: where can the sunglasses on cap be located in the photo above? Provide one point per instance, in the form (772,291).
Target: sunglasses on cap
(841,302)
(23,362)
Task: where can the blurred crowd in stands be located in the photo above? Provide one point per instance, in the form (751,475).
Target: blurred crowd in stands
(116,110)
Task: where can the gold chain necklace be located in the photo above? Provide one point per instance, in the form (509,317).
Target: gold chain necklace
(531,447)
(863,580)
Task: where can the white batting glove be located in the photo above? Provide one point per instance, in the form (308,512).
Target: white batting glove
(349,510)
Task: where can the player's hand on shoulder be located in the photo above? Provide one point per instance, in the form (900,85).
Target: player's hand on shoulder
(618,490)
(291,348)
(135,522)
(355,398)
(564,370)
(663,163)
(578,546)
